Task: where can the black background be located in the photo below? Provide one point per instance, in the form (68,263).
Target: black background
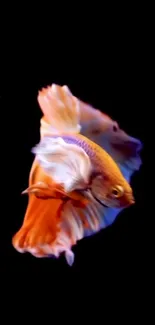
(117,254)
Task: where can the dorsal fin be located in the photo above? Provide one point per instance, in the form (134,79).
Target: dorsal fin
(61,110)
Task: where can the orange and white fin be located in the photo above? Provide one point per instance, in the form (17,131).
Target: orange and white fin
(52,227)
(61,110)
(77,220)
(41,234)
(44,191)
(40,226)
(67,164)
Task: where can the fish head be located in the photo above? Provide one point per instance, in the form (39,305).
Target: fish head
(124,148)
(112,190)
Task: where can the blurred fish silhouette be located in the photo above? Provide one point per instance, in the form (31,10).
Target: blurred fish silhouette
(73,181)
(101,129)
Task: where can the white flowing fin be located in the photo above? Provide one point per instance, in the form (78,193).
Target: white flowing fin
(76,223)
(69,257)
(67,164)
(61,110)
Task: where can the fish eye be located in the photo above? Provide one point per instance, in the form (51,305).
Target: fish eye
(114,128)
(117,191)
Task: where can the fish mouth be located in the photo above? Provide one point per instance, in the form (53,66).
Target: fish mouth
(129,154)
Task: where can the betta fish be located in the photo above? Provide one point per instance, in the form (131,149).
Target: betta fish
(101,129)
(73,182)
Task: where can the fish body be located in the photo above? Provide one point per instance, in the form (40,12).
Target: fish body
(104,175)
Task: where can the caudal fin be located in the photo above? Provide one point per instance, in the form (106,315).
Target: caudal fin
(60,108)
(39,228)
